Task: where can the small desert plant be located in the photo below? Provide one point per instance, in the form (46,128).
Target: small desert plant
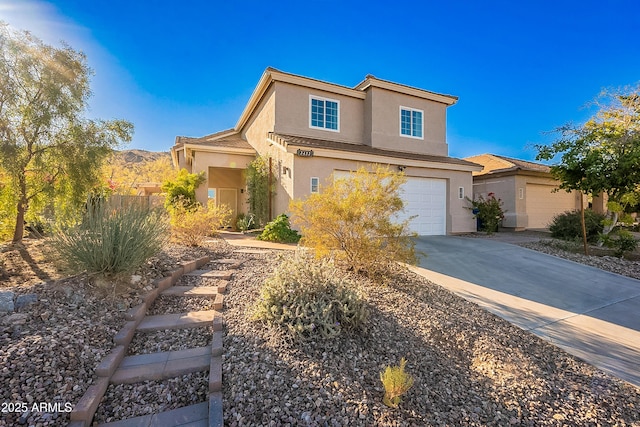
(310,299)
(245,222)
(191,224)
(109,243)
(567,225)
(396,382)
(489,211)
(354,220)
(279,230)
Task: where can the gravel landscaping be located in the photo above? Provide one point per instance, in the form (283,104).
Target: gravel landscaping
(173,304)
(613,264)
(49,349)
(470,367)
(124,401)
(170,340)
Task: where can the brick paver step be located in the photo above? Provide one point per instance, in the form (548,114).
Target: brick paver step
(192,319)
(192,291)
(159,366)
(193,416)
(227,261)
(213,274)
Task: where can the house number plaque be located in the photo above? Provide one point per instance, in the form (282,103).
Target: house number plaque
(304,153)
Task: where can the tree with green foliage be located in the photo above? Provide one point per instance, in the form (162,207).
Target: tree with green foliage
(182,190)
(48,150)
(602,155)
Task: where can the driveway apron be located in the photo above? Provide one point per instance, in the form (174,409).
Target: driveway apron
(590,313)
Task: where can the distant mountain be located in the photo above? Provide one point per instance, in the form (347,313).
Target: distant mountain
(139,156)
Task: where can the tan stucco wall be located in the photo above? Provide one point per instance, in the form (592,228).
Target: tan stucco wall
(384,123)
(459,219)
(507,188)
(293,113)
(202,161)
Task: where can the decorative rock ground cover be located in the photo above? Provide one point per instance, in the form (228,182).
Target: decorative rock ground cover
(49,354)
(470,367)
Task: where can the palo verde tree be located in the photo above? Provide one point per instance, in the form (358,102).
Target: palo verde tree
(48,149)
(602,155)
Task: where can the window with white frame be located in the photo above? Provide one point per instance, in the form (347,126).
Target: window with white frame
(315,185)
(324,113)
(411,124)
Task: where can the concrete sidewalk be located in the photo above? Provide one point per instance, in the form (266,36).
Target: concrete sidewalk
(590,313)
(249,241)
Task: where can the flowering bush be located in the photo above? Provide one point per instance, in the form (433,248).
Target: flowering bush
(489,211)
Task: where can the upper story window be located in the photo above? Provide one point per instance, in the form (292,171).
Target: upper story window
(411,124)
(325,113)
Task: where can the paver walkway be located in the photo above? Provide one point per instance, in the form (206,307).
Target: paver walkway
(170,364)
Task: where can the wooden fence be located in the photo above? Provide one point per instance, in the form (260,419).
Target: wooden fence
(116,201)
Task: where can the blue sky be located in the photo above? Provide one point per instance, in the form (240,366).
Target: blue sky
(520,68)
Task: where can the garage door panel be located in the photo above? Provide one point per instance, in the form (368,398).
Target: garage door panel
(542,204)
(425,199)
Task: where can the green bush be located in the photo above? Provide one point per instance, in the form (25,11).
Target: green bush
(488,211)
(110,243)
(279,230)
(182,190)
(310,299)
(622,241)
(567,225)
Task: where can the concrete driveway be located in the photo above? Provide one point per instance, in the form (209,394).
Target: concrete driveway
(590,313)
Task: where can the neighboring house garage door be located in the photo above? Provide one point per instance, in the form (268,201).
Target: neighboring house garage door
(543,204)
(426,199)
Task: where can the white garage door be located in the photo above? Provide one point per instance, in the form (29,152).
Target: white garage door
(426,200)
(543,204)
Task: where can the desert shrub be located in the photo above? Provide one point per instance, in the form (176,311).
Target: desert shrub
(396,383)
(191,224)
(489,211)
(182,190)
(310,299)
(567,225)
(622,241)
(354,220)
(279,230)
(245,222)
(110,242)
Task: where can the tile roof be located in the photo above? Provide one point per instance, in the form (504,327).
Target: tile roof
(297,141)
(216,140)
(494,164)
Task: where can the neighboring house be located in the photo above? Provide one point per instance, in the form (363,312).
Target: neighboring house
(312,129)
(526,188)
(148,188)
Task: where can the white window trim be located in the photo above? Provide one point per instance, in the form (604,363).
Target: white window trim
(320,98)
(400,123)
(317,185)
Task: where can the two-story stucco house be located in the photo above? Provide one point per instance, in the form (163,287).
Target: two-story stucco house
(313,129)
